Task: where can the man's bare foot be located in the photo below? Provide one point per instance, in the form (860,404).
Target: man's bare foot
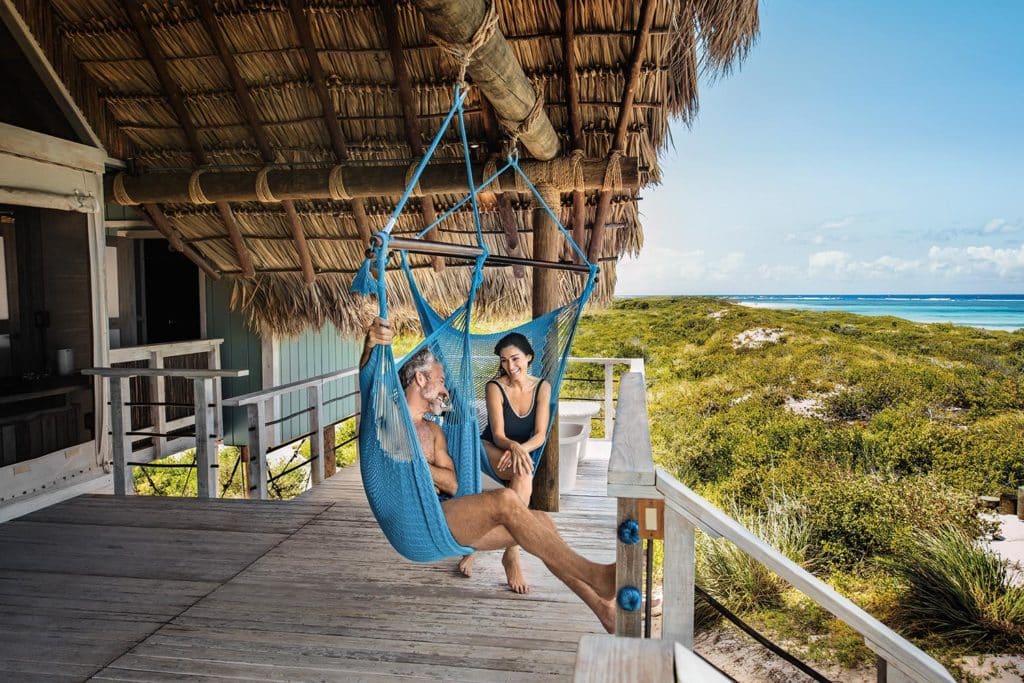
(466,565)
(514,571)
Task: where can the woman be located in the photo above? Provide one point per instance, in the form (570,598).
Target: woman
(518,414)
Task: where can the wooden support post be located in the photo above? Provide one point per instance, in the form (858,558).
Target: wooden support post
(121,445)
(629,572)
(157,394)
(330,458)
(207,462)
(546,299)
(213,363)
(316,438)
(609,399)
(680,555)
(572,91)
(257,413)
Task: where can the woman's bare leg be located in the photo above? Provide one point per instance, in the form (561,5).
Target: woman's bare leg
(522,484)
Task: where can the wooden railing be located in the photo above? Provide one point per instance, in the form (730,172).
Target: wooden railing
(207,408)
(608,396)
(635,481)
(163,405)
(321,436)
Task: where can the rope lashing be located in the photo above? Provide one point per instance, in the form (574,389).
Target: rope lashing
(121,195)
(613,173)
(579,183)
(490,168)
(336,185)
(412,173)
(463,53)
(195,190)
(630,598)
(263,192)
(567,172)
(629,532)
(518,128)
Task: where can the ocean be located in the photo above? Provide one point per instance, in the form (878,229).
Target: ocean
(990,311)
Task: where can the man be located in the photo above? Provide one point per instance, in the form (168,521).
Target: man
(495,519)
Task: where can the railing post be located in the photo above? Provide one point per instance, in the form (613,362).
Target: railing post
(157,395)
(257,413)
(207,462)
(316,438)
(609,407)
(213,363)
(679,561)
(121,445)
(629,572)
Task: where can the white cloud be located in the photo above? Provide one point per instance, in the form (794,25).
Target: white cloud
(1000,225)
(665,270)
(837,225)
(969,261)
(827,260)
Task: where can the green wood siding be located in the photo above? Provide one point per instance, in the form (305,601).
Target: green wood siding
(241,349)
(312,354)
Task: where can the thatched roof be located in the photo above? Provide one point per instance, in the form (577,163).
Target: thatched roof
(101,53)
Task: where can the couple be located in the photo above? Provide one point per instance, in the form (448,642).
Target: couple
(500,518)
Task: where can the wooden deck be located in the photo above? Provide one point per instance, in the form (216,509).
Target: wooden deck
(143,589)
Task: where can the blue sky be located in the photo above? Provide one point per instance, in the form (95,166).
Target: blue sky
(863,147)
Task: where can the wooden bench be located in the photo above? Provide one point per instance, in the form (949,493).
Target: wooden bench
(602,658)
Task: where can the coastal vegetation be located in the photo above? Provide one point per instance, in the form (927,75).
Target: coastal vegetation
(856,445)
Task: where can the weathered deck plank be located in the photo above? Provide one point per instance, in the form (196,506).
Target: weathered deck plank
(148,589)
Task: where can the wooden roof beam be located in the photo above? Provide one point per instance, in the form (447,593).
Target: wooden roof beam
(408,106)
(209,19)
(316,72)
(625,114)
(494,69)
(174,97)
(572,90)
(360,180)
(161,223)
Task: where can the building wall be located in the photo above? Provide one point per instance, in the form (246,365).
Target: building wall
(281,361)
(241,349)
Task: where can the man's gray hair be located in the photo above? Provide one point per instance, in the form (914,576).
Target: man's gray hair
(422,361)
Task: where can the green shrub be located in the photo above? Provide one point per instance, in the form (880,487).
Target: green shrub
(960,590)
(741,582)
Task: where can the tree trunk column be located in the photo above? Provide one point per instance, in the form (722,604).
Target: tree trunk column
(546,242)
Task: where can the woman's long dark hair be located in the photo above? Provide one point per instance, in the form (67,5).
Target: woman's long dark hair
(517,340)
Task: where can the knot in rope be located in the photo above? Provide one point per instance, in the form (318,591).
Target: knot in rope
(263,192)
(463,53)
(336,185)
(613,173)
(121,195)
(517,129)
(195,190)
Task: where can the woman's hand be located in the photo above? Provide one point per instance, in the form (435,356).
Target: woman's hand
(517,459)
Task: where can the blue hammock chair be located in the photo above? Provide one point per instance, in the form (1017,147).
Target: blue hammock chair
(395,473)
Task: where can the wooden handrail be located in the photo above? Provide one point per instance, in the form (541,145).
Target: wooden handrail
(633,475)
(127,354)
(266,394)
(186,373)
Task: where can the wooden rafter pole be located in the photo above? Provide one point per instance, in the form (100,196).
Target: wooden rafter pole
(622,124)
(209,18)
(408,106)
(316,72)
(579,198)
(506,214)
(360,180)
(177,102)
(156,215)
(493,68)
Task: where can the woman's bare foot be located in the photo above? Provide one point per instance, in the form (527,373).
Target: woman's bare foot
(466,565)
(514,570)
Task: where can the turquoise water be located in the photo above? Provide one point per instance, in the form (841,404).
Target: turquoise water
(991,311)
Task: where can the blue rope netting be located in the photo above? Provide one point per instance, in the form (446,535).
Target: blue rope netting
(395,473)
